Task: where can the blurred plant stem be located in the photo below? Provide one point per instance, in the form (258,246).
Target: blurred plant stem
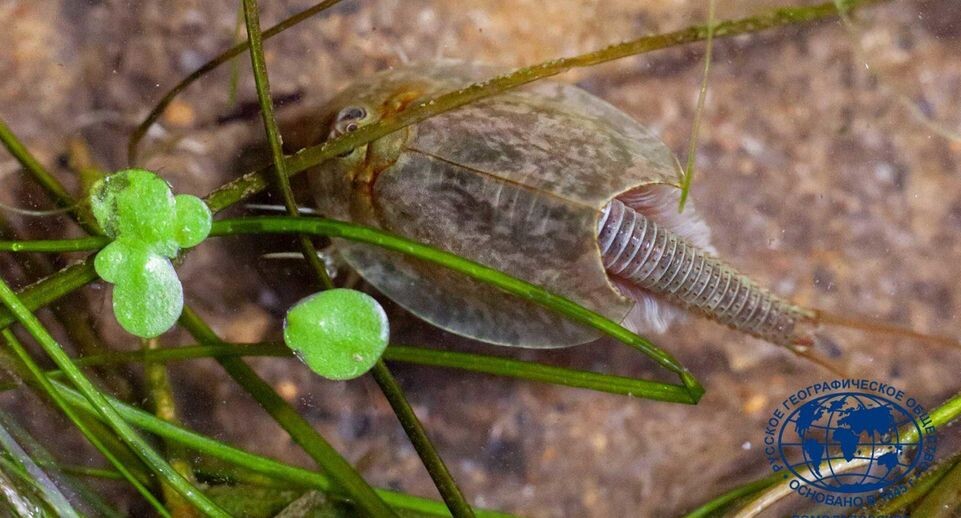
(164,406)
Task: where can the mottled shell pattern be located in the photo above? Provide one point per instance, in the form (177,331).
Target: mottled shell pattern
(516,182)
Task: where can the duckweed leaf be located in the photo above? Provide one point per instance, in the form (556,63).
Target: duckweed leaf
(193,220)
(109,261)
(340,334)
(145,207)
(150,298)
(150,225)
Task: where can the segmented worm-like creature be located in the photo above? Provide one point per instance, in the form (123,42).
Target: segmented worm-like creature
(637,250)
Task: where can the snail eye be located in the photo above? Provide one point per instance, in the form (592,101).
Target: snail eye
(351,113)
(348,121)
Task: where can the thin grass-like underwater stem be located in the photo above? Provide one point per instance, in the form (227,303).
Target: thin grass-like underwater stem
(66,478)
(717,505)
(83,244)
(688,174)
(256,463)
(332,228)
(514,286)
(470,362)
(161,397)
(34,373)
(943,415)
(45,487)
(918,490)
(262,82)
(256,181)
(204,69)
(104,408)
(438,471)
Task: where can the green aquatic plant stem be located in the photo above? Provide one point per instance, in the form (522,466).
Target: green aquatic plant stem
(438,471)
(164,407)
(256,463)
(22,493)
(918,489)
(299,429)
(16,148)
(332,228)
(522,289)
(699,111)
(262,82)
(51,288)
(944,498)
(72,484)
(533,371)
(717,505)
(104,408)
(25,465)
(83,244)
(224,57)
(940,416)
(470,362)
(257,181)
(53,186)
(35,375)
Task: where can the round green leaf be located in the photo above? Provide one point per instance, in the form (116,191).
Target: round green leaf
(193,220)
(145,209)
(110,260)
(134,202)
(340,334)
(149,299)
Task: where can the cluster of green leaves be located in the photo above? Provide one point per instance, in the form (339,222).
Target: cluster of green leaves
(149,226)
(88,408)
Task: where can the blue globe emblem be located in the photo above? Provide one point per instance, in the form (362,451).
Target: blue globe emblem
(827,431)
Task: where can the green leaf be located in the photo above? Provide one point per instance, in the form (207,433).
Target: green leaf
(148,298)
(150,225)
(134,202)
(193,221)
(340,334)
(109,261)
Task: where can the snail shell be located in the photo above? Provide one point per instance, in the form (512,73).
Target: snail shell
(517,182)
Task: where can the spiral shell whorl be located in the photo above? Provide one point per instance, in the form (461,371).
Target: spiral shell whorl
(637,249)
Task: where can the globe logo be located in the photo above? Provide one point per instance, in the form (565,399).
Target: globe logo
(831,430)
